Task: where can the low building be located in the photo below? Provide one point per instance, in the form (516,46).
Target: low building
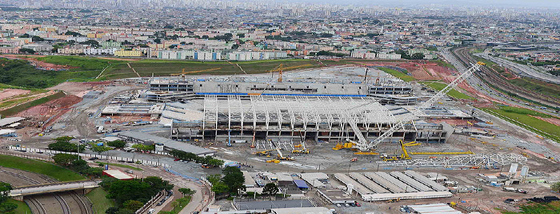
(117,174)
(430,208)
(148,139)
(129,53)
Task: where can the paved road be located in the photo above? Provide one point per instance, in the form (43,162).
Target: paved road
(482,87)
(523,70)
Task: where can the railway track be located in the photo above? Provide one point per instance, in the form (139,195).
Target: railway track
(492,77)
(20,176)
(63,204)
(35,206)
(83,206)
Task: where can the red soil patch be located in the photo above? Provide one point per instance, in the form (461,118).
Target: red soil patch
(7,93)
(51,110)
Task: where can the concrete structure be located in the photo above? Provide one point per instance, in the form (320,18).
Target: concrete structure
(153,110)
(19,193)
(290,118)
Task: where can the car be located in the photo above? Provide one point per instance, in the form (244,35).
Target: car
(338,205)
(347,205)
(358,204)
(352,204)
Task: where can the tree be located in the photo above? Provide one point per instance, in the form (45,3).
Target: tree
(220,188)
(417,56)
(99,149)
(133,204)
(157,41)
(64,159)
(143,147)
(233,178)
(555,187)
(214,179)
(37,39)
(4,191)
(187,191)
(270,189)
(65,146)
(215,162)
(117,144)
(7,207)
(26,51)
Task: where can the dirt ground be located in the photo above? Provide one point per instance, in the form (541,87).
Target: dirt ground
(8,93)
(80,88)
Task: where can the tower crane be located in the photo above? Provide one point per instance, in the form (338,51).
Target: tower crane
(401,123)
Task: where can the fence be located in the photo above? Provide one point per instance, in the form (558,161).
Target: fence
(84,155)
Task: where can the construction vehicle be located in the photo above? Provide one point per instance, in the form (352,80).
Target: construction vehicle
(366,153)
(273,161)
(354,160)
(404,156)
(346,145)
(263,153)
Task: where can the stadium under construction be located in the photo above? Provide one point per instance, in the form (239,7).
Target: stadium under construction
(307,105)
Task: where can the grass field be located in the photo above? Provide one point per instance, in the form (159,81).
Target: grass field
(23,107)
(538,208)
(40,167)
(148,67)
(121,165)
(522,117)
(100,202)
(444,64)
(22,207)
(398,74)
(181,203)
(453,93)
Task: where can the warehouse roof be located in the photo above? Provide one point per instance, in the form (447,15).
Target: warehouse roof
(10,120)
(433,208)
(144,137)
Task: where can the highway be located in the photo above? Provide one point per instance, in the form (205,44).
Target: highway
(475,82)
(522,70)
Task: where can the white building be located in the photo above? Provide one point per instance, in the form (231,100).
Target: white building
(258,55)
(100,51)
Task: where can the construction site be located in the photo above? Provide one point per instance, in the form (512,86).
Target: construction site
(353,134)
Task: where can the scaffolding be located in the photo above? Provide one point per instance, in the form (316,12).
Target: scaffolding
(478,160)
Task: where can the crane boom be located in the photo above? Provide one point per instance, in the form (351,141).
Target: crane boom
(400,124)
(450,86)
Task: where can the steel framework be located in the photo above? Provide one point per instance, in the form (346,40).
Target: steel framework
(478,160)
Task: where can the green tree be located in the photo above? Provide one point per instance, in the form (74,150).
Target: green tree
(187,191)
(26,51)
(270,189)
(233,178)
(99,149)
(65,139)
(133,204)
(7,207)
(555,187)
(142,147)
(215,162)
(220,188)
(214,179)
(417,56)
(117,144)
(4,191)
(65,159)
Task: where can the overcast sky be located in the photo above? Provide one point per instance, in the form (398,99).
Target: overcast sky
(505,3)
